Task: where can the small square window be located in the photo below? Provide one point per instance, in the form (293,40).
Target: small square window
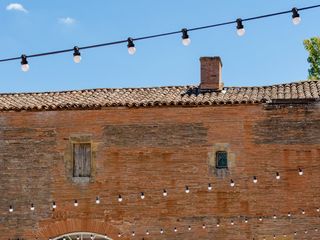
(221,159)
(81,159)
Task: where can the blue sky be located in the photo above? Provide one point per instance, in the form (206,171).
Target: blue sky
(270,52)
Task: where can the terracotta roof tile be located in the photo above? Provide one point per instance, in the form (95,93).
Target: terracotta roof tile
(159,96)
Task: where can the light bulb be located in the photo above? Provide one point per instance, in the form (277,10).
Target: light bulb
(300,172)
(32,207)
(303,212)
(260,219)
(142,195)
(277,175)
(274,217)
(161,231)
(189,228)
(316,229)
(75,203)
(24,63)
(76,55)
(131,47)
(232,222)
(255,180)
(274,236)
(147,232)
(203,226)
(78,237)
(119,234)
(295,233)
(246,220)
(120,198)
(165,193)
(232,184)
(289,214)
(187,190)
(295,16)
(318,209)
(185,37)
(97,200)
(54,206)
(218,224)
(133,234)
(10,209)
(240,28)
(175,229)
(91,237)
(209,187)
(306,231)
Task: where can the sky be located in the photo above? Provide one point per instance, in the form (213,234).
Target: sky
(270,52)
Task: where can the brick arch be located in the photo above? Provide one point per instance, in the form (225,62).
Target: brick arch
(58,228)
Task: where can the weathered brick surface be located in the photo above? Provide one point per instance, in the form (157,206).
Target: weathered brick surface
(149,149)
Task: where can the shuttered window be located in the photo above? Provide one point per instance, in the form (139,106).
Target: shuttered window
(81,159)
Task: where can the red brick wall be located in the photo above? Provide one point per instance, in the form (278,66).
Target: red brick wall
(148,149)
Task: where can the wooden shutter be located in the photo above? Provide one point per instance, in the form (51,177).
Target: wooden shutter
(81,159)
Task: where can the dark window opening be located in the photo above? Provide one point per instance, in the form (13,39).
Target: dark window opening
(81,160)
(221,159)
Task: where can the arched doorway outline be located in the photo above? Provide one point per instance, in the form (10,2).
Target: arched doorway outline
(81,236)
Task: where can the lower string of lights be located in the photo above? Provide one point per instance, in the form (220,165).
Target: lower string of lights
(240,30)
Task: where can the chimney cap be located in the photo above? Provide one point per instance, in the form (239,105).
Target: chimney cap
(211,58)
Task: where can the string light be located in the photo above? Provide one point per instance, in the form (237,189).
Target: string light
(119,234)
(274,217)
(131,48)
(289,214)
(32,207)
(142,195)
(232,222)
(187,190)
(218,224)
(277,175)
(165,193)
(246,220)
(120,198)
(240,28)
(318,209)
(255,180)
(92,237)
(75,203)
(303,212)
(76,55)
(209,187)
(175,229)
(260,219)
(161,231)
(203,226)
(300,172)
(185,37)
(295,16)
(189,228)
(133,234)
(147,232)
(54,206)
(10,208)
(24,63)
(97,200)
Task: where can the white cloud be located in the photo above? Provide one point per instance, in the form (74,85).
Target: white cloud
(16,7)
(67,20)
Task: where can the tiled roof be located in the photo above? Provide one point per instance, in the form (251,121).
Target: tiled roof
(158,96)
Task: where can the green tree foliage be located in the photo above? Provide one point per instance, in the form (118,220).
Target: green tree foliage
(312,45)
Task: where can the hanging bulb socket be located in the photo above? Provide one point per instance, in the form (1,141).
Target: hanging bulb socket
(295,16)
(300,172)
(189,228)
(187,190)
(203,226)
(32,207)
(240,28)
(97,200)
(76,203)
(165,193)
(255,180)
(185,37)
(54,206)
(120,198)
(24,63)
(161,231)
(142,195)
(209,187)
(131,46)
(76,55)
(10,208)
(277,175)
(175,229)
(232,184)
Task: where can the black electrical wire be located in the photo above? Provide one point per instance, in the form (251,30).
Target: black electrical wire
(158,35)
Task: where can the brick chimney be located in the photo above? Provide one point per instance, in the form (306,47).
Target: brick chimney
(211,73)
